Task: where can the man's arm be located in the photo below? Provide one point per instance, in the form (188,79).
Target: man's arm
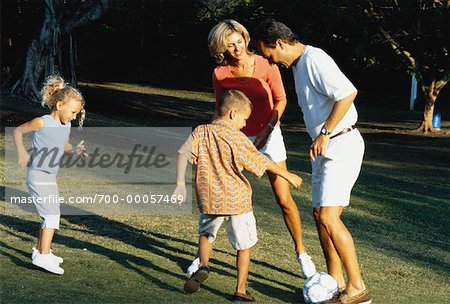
(340,108)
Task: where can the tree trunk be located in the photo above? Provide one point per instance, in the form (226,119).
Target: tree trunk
(41,53)
(44,56)
(430,92)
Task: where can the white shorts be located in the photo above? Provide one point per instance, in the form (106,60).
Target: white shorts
(241,228)
(43,188)
(274,148)
(334,175)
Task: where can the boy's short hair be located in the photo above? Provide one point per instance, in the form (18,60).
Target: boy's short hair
(233,100)
(270,30)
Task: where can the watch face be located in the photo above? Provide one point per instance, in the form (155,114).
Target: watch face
(324,131)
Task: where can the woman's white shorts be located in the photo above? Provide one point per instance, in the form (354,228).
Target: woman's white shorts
(274,149)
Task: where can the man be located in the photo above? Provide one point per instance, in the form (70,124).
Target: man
(326,98)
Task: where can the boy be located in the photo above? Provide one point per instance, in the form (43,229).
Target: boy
(221,152)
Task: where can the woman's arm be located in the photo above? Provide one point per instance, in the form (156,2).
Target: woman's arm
(218,91)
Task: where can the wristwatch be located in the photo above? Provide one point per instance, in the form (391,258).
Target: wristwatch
(325,131)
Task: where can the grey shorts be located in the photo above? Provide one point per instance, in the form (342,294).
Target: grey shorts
(44,190)
(241,228)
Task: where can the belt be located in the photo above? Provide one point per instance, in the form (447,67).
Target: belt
(346,130)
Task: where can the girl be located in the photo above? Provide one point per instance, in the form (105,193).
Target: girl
(50,140)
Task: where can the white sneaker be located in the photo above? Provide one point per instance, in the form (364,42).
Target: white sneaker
(58,259)
(306,264)
(47,262)
(193,267)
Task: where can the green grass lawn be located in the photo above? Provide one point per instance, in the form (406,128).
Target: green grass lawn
(399,218)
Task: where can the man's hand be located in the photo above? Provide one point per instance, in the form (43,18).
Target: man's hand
(319,146)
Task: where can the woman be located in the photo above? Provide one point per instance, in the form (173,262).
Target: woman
(239,69)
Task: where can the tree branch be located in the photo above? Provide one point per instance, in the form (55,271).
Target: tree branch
(398,49)
(86,12)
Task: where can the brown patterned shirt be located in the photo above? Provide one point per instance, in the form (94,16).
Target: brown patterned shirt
(221,152)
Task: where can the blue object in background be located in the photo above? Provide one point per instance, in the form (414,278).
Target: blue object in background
(436,122)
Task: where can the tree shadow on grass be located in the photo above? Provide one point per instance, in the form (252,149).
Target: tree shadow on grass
(153,110)
(154,243)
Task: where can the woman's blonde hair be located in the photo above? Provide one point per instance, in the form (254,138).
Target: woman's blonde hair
(55,89)
(217,38)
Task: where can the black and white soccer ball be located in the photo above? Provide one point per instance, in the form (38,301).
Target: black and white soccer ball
(320,287)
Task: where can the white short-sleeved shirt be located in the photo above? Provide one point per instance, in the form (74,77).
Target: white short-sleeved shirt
(319,83)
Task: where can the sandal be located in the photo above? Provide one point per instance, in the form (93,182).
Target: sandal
(194,282)
(361,298)
(243,297)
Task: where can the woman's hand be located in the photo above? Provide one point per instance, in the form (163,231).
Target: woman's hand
(261,137)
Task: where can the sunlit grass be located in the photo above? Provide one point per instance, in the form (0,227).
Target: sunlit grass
(399,218)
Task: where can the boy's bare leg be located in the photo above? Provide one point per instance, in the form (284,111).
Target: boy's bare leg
(332,259)
(291,215)
(204,250)
(46,237)
(243,264)
(343,243)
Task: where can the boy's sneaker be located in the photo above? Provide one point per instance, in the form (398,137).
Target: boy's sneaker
(58,259)
(47,262)
(193,267)
(194,282)
(306,264)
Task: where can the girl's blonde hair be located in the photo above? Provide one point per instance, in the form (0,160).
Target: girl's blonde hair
(55,89)
(217,38)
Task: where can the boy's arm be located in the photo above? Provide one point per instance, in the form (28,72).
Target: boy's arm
(180,189)
(257,163)
(292,178)
(28,127)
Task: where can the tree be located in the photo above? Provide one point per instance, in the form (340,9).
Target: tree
(53,47)
(418,32)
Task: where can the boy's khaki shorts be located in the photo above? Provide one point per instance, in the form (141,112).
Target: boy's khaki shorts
(241,228)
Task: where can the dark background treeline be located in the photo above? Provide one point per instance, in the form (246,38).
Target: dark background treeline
(164,42)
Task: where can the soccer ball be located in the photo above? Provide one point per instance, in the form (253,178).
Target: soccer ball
(320,287)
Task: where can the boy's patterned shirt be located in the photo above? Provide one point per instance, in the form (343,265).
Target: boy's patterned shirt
(221,152)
